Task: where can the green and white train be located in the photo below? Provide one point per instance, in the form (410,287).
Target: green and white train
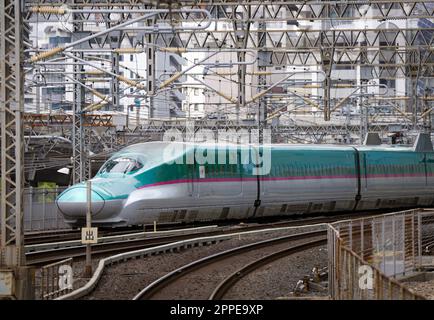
(138,185)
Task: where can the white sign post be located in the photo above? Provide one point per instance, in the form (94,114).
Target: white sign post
(89,235)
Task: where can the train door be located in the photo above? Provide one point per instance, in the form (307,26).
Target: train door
(191,172)
(220,177)
(191,169)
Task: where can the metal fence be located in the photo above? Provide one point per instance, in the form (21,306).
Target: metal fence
(368,255)
(55,279)
(40,210)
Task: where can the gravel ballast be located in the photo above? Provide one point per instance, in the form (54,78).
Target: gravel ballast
(126,279)
(279,278)
(424,288)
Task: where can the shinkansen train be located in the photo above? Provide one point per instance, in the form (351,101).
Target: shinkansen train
(171,182)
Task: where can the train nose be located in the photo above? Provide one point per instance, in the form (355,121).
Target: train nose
(73,202)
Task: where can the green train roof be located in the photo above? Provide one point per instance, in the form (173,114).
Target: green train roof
(156,147)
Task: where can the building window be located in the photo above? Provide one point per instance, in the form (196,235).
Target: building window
(131,90)
(104,91)
(53,90)
(55,41)
(196,107)
(131,57)
(390,83)
(131,74)
(196,92)
(121,57)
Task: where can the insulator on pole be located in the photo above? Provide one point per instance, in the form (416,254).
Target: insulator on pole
(49,10)
(131,82)
(46,54)
(231,99)
(94,73)
(170,80)
(127,50)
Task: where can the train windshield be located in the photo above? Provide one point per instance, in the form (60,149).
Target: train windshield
(121,165)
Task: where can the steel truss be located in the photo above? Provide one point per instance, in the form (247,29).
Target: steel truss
(12,37)
(80,170)
(386,52)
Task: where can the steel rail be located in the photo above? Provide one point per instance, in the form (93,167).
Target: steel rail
(224,286)
(111,244)
(68,237)
(179,245)
(158,285)
(54,251)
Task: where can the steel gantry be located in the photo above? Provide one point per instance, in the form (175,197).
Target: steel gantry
(386,51)
(12,134)
(383,50)
(13,35)
(80,170)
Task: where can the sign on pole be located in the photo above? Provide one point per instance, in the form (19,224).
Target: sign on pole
(6,283)
(89,235)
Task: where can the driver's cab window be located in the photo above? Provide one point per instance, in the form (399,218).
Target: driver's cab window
(121,165)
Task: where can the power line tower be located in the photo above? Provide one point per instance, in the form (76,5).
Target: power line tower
(15,279)
(80,168)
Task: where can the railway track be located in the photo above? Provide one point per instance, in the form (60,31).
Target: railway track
(230,281)
(50,236)
(68,235)
(200,279)
(64,249)
(47,256)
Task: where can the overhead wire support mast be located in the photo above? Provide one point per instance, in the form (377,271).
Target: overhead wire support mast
(79,168)
(12,258)
(150,72)
(262,82)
